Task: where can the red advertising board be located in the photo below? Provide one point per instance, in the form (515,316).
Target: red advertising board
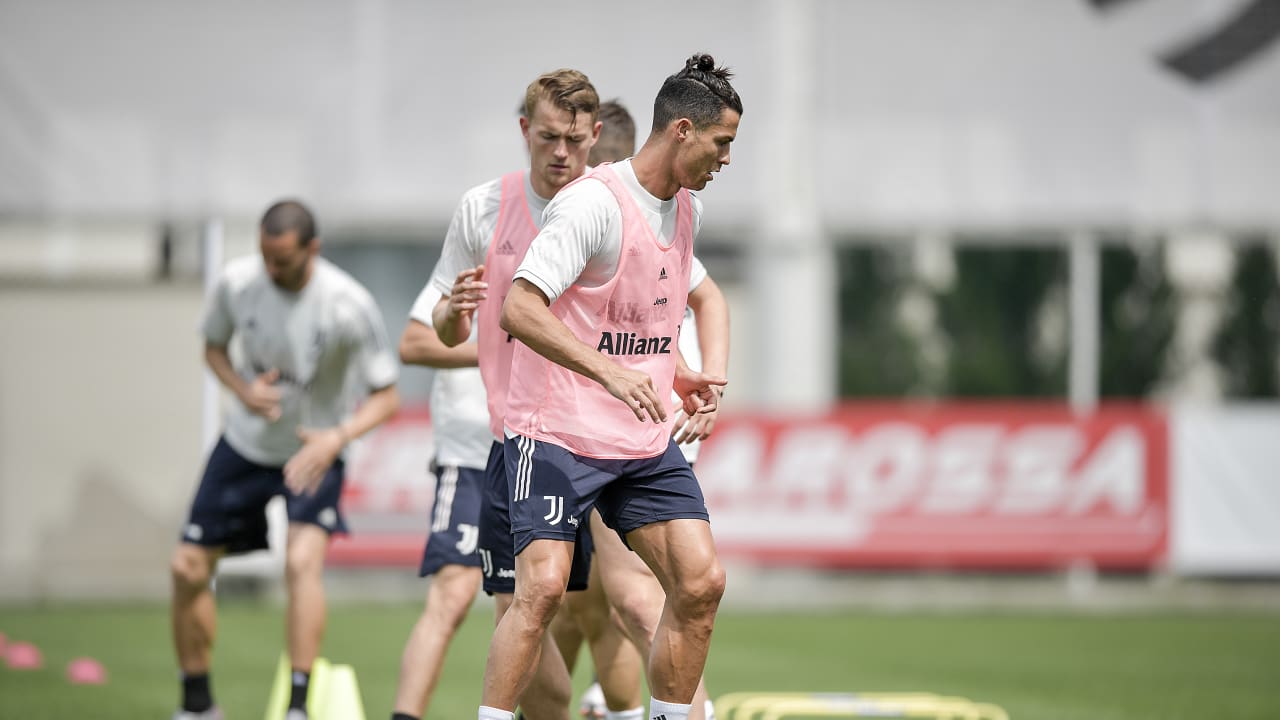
(967,486)
(1003,485)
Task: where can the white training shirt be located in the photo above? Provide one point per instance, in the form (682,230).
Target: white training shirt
(459,410)
(582,234)
(313,337)
(466,244)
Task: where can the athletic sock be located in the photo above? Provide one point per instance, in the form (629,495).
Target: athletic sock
(632,714)
(489,713)
(298,695)
(196,696)
(659,710)
(403,716)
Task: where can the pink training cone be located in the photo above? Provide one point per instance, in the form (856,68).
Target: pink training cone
(23,656)
(86,671)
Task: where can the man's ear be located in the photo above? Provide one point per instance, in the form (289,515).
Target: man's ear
(683,128)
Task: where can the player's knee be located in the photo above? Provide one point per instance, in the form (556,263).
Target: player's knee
(591,621)
(700,593)
(541,594)
(640,610)
(300,563)
(454,600)
(190,569)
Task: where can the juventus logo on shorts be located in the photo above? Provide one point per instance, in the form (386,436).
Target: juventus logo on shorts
(557,509)
(470,536)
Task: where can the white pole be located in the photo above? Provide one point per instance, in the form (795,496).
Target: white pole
(794,358)
(1085,333)
(211,244)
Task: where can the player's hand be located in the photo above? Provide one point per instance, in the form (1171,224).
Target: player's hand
(467,292)
(636,389)
(262,397)
(692,428)
(308,466)
(698,392)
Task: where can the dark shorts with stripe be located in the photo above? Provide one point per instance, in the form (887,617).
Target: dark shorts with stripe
(455,519)
(553,489)
(497,552)
(229,510)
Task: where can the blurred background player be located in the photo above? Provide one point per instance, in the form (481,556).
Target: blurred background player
(490,230)
(590,383)
(460,433)
(623,592)
(302,324)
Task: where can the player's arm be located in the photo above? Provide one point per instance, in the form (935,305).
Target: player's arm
(454,313)
(459,273)
(261,397)
(711,310)
(699,391)
(321,447)
(711,315)
(421,345)
(376,409)
(526,316)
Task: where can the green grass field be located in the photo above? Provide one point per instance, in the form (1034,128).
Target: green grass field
(1037,666)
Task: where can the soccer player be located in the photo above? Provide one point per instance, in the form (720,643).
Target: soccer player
(491,228)
(302,324)
(596,305)
(632,588)
(460,430)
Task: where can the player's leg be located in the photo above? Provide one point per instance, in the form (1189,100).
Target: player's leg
(193,615)
(546,510)
(226,516)
(550,690)
(520,640)
(658,506)
(306,609)
(635,596)
(449,597)
(567,634)
(451,560)
(682,555)
(617,661)
(312,520)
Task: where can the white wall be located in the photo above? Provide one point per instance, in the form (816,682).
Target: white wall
(99,437)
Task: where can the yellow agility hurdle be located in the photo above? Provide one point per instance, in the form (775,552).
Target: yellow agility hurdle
(776,706)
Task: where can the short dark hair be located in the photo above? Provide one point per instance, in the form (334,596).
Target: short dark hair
(565,88)
(617,134)
(289,215)
(700,92)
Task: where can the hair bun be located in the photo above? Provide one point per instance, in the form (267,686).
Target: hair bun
(701,61)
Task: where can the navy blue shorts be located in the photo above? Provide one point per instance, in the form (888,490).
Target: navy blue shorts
(553,489)
(497,553)
(229,510)
(455,518)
